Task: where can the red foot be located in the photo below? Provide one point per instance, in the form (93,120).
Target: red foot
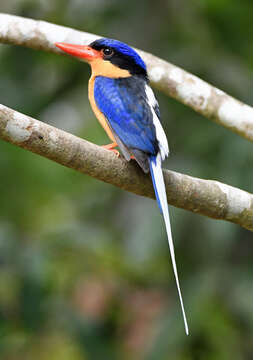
(111,147)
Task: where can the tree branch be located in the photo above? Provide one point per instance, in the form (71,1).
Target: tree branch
(206,197)
(173,81)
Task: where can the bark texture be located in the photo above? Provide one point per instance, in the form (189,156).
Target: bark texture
(206,197)
(173,81)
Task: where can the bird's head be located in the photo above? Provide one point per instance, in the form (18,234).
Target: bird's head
(108,57)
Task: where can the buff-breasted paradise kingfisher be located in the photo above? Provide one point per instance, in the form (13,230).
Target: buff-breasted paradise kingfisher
(126,107)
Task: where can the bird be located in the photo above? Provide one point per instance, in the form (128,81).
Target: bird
(125,105)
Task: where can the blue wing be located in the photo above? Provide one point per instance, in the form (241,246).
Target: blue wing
(124,103)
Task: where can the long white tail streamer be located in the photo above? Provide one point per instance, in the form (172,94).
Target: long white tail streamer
(159,186)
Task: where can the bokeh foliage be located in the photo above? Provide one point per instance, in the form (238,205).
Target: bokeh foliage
(85,269)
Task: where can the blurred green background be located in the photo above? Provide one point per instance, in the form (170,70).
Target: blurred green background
(85,270)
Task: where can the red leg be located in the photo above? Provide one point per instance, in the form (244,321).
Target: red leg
(111,148)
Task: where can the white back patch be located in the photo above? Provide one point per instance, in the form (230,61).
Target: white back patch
(160,134)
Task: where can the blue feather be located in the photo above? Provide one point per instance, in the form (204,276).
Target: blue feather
(121,48)
(124,105)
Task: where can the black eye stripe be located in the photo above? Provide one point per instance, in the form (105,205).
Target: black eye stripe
(122,60)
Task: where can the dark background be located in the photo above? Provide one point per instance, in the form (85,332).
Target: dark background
(85,270)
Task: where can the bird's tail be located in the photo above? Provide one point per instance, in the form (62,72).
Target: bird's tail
(160,192)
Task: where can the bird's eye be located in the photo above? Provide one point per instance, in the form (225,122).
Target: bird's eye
(108,52)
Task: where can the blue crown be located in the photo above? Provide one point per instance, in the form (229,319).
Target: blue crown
(121,48)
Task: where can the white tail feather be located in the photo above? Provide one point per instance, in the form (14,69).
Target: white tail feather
(158,182)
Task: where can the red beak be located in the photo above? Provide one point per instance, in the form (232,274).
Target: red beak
(80,51)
